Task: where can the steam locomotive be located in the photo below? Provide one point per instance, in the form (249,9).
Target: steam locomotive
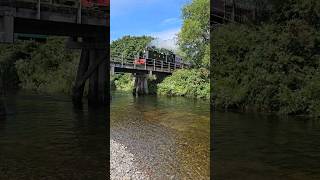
(150,54)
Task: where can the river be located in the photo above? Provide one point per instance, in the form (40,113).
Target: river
(264,147)
(44,137)
(169,138)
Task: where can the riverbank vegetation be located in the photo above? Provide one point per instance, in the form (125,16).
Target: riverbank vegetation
(193,83)
(194,45)
(44,67)
(270,66)
(122,82)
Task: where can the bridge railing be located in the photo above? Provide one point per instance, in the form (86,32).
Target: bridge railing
(62,6)
(151,64)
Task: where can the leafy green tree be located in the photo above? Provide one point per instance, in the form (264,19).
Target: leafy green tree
(129,46)
(194,38)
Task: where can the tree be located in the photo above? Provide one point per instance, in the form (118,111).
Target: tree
(194,38)
(129,46)
(271,67)
(306,10)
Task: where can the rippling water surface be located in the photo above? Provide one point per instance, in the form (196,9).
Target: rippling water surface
(44,137)
(169,137)
(265,147)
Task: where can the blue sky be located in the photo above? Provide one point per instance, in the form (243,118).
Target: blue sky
(158,18)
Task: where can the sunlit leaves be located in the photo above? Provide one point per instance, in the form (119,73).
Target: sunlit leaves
(195,33)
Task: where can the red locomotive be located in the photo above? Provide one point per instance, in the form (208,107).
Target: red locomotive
(140,61)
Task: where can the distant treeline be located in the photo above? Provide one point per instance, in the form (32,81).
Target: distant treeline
(271,66)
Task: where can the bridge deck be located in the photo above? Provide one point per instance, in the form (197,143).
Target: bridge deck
(223,11)
(128,65)
(49,18)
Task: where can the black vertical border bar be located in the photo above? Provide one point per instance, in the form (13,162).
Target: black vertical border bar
(108,95)
(212,119)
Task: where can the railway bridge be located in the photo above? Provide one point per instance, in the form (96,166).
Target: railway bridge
(86,25)
(225,11)
(141,71)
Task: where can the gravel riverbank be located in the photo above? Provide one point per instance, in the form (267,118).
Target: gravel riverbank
(122,163)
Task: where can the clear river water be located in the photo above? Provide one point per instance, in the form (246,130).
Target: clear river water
(44,137)
(265,147)
(168,137)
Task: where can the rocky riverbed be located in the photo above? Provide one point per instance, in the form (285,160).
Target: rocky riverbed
(122,163)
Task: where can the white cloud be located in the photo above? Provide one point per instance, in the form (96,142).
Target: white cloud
(170,21)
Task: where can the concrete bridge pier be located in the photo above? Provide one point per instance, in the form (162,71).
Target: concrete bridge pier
(140,84)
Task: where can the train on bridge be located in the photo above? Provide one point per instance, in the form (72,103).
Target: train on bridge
(150,53)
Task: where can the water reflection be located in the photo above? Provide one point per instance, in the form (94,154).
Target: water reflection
(255,146)
(44,137)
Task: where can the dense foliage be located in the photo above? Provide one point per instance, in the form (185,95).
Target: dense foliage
(194,38)
(305,10)
(123,82)
(190,83)
(129,46)
(268,11)
(47,67)
(272,67)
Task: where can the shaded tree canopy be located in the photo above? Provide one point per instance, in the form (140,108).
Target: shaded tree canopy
(273,66)
(281,11)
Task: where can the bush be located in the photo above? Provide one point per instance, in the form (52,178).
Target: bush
(190,83)
(45,67)
(123,82)
(48,67)
(270,68)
